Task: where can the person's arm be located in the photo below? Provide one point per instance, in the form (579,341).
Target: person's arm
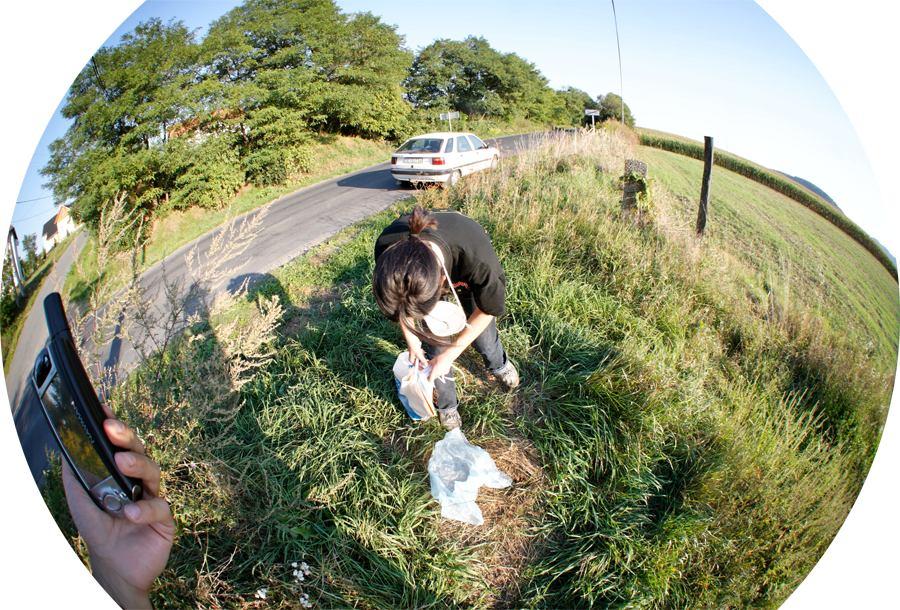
(127,554)
(440,364)
(414,345)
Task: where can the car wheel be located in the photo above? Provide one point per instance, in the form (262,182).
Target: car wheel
(495,161)
(454,178)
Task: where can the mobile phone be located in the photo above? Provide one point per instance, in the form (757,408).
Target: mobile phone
(72,409)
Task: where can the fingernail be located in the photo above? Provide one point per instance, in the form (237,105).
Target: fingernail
(117,426)
(126,459)
(132,511)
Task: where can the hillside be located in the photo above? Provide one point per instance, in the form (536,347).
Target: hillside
(812,188)
(775,181)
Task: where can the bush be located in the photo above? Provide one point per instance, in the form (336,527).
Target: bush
(211,174)
(8,309)
(268,166)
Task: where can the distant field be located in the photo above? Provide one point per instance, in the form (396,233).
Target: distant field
(805,256)
(778,182)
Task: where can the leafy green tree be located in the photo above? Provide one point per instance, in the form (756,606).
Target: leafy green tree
(122,105)
(30,258)
(472,77)
(611,109)
(339,73)
(573,103)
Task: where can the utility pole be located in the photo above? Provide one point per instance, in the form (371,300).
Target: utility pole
(12,248)
(619,48)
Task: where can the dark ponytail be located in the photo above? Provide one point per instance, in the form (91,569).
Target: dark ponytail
(408,280)
(420,220)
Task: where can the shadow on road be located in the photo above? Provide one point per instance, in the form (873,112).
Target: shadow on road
(378,179)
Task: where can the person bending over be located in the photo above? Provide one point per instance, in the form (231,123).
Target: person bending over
(421,258)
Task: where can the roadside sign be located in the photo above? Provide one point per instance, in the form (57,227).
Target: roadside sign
(591,112)
(449,116)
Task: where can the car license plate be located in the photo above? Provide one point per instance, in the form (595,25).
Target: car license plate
(412,160)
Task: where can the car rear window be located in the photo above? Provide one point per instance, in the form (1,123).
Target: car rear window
(449,145)
(422,145)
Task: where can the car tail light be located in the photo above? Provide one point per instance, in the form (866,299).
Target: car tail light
(437,160)
(393,160)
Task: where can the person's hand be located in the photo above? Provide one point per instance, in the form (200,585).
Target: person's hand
(441,364)
(416,353)
(127,554)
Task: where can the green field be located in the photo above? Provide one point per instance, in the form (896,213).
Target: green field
(800,254)
(689,432)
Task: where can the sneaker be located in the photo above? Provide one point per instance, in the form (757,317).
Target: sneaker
(450,418)
(508,375)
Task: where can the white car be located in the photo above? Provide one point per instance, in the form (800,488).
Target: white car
(442,158)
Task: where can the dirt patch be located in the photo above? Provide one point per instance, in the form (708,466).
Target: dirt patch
(505,542)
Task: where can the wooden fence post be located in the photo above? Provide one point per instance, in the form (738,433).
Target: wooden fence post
(704,188)
(631,187)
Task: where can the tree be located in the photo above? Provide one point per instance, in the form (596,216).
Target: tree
(30,254)
(573,103)
(472,77)
(122,104)
(611,109)
(336,72)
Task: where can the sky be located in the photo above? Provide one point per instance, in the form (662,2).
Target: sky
(722,68)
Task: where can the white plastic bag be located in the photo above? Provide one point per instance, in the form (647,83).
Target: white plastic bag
(416,393)
(457,469)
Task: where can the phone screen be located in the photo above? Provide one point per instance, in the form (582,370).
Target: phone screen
(60,409)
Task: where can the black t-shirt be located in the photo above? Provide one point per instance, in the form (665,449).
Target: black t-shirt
(468,255)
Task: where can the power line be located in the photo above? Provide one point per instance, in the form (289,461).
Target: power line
(29,217)
(35,199)
(619,48)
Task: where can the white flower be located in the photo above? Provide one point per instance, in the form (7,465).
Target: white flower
(293,564)
(304,601)
(304,567)
(261,593)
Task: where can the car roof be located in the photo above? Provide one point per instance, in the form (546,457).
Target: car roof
(443,134)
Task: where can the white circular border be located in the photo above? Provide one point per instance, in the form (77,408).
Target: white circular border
(45,43)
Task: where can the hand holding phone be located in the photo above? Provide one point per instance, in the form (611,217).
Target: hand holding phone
(112,487)
(127,554)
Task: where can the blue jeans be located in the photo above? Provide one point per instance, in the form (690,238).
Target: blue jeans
(487,344)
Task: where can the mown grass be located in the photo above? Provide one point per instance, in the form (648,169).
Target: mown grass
(777,182)
(11,332)
(674,443)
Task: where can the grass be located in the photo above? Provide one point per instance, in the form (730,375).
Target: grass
(676,441)
(777,182)
(11,332)
(798,254)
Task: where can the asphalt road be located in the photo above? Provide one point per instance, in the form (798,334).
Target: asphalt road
(30,424)
(289,227)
